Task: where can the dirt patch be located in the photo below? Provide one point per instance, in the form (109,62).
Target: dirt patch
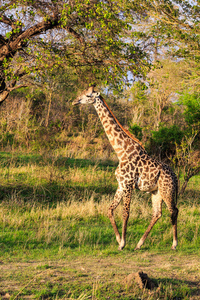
(140,278)
(163,269)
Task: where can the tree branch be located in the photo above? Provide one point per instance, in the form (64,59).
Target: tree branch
(3,96)
(7,21)
(18,86)
(12,47)
(75,34)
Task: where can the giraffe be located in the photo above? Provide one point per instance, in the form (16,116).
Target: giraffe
(136,170)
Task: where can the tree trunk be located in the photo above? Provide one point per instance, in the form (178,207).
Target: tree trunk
(184,185)
(3,92)
(48,110)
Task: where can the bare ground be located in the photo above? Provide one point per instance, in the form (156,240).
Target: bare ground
(15,277)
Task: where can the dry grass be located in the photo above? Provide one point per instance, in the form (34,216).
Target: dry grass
(53,213)
(55,223)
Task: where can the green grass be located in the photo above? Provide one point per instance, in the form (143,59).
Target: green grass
(56,241)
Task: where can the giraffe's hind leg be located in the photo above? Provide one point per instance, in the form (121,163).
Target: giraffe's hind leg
(157,213)
(174,215)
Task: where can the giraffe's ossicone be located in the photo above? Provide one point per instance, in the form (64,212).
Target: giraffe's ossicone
(136,170)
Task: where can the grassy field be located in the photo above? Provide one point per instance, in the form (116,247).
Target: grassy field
(56,241)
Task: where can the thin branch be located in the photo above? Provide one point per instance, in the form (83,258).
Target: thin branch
(8,21)
(75,34)
(18,86)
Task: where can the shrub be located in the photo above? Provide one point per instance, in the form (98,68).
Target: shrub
(163,141)
(136,130)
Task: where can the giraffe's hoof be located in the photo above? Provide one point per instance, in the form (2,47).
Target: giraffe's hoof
(120,248)
(137,248)
(173,247)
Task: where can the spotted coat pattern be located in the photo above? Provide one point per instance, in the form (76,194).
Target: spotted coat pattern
(136,170)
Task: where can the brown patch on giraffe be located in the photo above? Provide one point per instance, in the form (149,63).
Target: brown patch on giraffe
(135,153)
(126,143)
(117,129)
(109,130)
(130,149)
(103,116)
(124,157)
(104,121)
(119,142)
(122,164)
(127,168)
(121,136)
(123,171)
(152,175)
(112,122)
(112,142)
(118,149)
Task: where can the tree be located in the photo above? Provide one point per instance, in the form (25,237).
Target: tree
(187,160)
(89,36)
(191,103)
(164,141)
(165,84)
(174,24)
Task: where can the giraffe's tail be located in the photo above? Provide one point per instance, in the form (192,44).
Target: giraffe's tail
(176,197)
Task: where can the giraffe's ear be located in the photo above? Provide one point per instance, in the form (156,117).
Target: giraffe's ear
(91,89)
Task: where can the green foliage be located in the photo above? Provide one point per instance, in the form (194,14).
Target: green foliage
(191,102)
(7,139)
(136,130)
(164,140)
(94,44)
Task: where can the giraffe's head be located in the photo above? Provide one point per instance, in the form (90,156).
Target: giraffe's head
(87,97)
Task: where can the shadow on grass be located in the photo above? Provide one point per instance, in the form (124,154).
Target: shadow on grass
(188,287)
(7,159)
(53,192)
(190,197)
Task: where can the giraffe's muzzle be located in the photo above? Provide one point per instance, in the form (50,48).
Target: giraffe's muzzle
(76,102)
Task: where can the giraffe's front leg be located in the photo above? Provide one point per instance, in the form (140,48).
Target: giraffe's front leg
(126,211)
(115,203)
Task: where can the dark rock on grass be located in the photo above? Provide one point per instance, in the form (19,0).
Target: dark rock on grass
(141,279)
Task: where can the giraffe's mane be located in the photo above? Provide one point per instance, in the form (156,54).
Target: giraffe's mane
(125,130)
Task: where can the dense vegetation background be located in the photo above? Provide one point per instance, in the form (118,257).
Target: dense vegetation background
(57,166)
(143,56)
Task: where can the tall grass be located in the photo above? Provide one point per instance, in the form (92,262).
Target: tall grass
(58,204)
(54,209)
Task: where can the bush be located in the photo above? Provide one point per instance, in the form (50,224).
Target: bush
(162,142)
(136,130)
(192,108)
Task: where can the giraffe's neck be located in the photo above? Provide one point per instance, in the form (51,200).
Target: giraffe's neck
(121,140)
